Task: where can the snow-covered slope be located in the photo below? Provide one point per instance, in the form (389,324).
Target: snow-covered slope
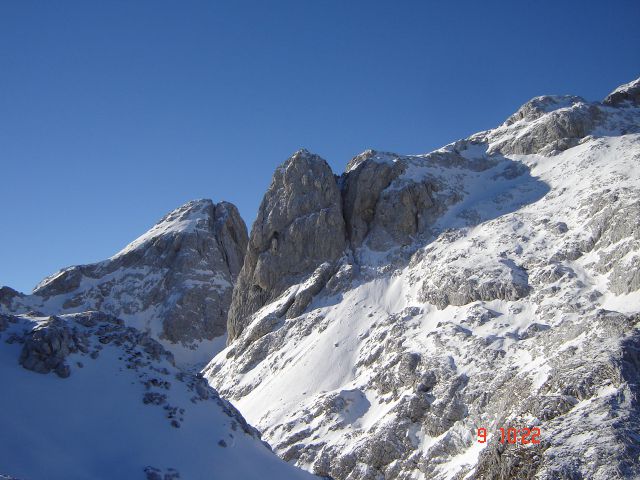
(491,284)
(98,400)
(175,281)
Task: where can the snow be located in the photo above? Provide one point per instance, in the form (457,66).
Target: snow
(378,157)
(94,425)
(194,358)
(466,459)
(627,303)
(188,218)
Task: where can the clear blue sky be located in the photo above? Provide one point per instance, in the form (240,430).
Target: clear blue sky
(114,113)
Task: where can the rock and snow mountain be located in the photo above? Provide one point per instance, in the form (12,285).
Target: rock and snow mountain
(90,385)
(378,319)
(175,281)
(85,397)
(381,317)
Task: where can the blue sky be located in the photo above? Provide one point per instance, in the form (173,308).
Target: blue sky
(114,113)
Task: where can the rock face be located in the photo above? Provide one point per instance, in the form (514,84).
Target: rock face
(299,226)
(47,347)
(366,177)
(7,295)
(498,279)
(308,219)
(628,93)
(383,205)
(492,283)
(547,125)
(175,281)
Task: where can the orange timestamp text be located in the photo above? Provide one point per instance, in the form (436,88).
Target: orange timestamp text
(524,436)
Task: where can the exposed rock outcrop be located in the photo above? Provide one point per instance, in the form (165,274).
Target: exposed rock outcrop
(500,279)
(8,294)
(539,106)
(384,206)
(546,125)
(627,94)
(47,347)
(310,288)
(366,176)
(299,226)
(551,124)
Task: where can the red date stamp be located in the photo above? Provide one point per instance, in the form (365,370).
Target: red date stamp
(524,436)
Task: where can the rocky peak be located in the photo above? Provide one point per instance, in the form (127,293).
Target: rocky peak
(173,281)
(627,94)
(7,294)
(307,221)
(193,214)
(371,155)
(196,215)
(551,124)
(299,226)
(538,106)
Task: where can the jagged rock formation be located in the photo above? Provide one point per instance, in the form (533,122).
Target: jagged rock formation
(48,345)
(492,283)
(175,281)
(460,284)
(121,408)
(299,226)
(382,201)
(383,204)
(546,125)
(368,175)
(629,93)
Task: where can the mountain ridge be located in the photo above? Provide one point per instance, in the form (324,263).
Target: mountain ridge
(468,273)
(378,319)
(174,281)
